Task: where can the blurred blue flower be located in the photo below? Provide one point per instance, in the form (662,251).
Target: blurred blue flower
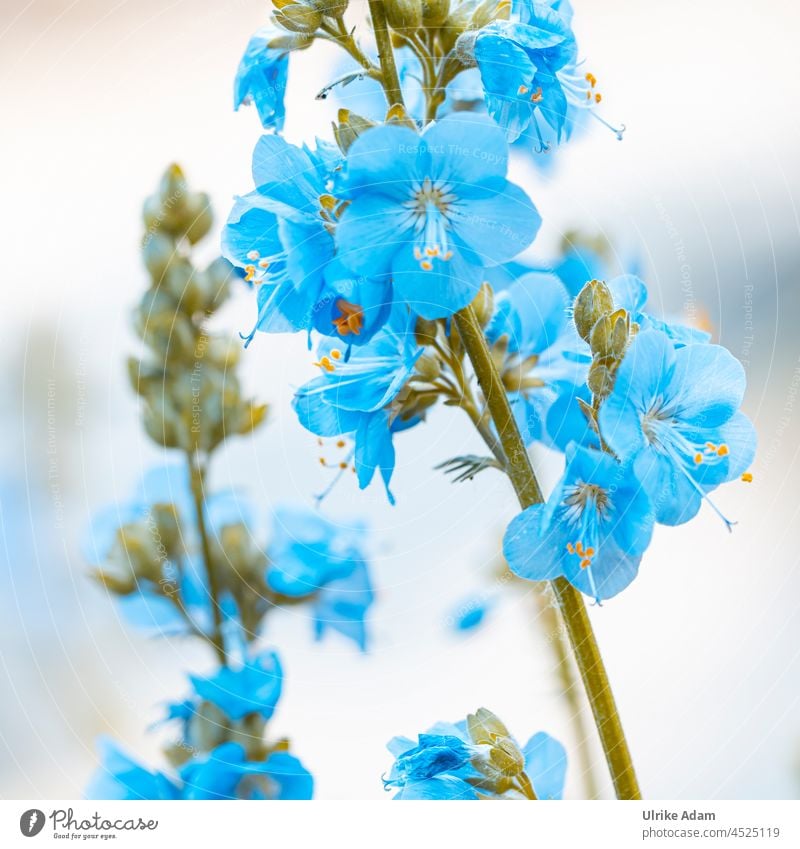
(544,354)
(433,210)
(674,414)
(311,555)
(593,530)
(226,773)
(121,777)
(255,687)
(475,759)
(355,395)
(261,78)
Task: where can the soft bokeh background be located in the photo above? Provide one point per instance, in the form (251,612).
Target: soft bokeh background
(703,649)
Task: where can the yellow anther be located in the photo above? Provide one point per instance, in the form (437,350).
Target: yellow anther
(747,477)
(586,563)
(598,97)
(340,443)
(426,265)
(523,89)
(590,552)
(322,461)
(336,353)
(264,263)
(417,254)
(434,251)
(448,256)
(342,465)
(328,202)
(591,79)
(698,458)
(253,255)
(325,363)
(350,319)
(536,97)
(250,272)
(722,451)
(570,548)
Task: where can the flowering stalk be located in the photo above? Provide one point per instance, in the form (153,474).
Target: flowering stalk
(573,610)
(197,484)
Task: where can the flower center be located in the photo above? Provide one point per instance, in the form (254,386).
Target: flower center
(430,206)
(350,318)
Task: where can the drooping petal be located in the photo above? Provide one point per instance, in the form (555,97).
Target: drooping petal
(546,765)
(532,551)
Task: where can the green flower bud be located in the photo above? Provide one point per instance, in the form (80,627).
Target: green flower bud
(483,304)
(434,12)
(428,367)
(198,216)
(157,253)
(602,374)
(593,302)
(425,331)
(349,128)
(333,8)
(298,18)
(404,15)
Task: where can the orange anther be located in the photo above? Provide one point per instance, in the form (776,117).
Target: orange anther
(351,319)
(747,477)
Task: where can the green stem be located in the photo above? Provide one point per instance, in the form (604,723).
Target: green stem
(566,676)
(197,482)
(569,600)
(391,81)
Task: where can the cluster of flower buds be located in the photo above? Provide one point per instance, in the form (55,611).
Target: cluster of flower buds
(499,759)
(608,331)
(191,394)
(306,16)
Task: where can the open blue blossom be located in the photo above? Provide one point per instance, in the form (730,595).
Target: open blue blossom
(529,68)
(255,687)
(281,237)
(119,776)
(310,555)
(476,759)
(432,210)
(544,355)
(674,414)
(593,530)
(226,773)
(354,396)
(261,78)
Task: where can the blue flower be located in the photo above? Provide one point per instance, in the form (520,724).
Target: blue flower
(226,773)
(674,414)
(121,777)
(593,530)
(354,396)
(432,211)
(475,759)
(280,235)
(529,68)
(261,78)
(311,555)
(254,688)
(544,356)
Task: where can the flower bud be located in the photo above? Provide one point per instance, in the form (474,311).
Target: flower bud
(198,216)
(349,128)
(404,15)
(434,12)
(298,18)
(428,367)
(602,374)
(426,331)
(593,302)
(483,304)
(333,8)
(157,252)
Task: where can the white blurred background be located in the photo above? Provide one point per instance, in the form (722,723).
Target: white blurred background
(703,649)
